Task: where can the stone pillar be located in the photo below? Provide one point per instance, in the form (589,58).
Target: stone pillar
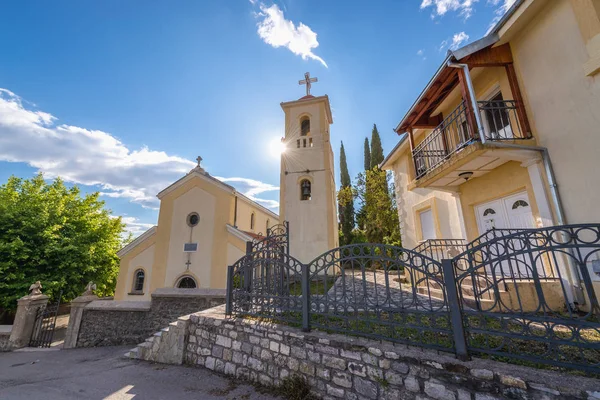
(77,306)
(27,307)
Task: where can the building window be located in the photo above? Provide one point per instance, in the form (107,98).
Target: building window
(193,219)
(488,211)
(252,218)
(304,126)
(305,189)
(519,203)
(186,282)
(138,280)
(267,226)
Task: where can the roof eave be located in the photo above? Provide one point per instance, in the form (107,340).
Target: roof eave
(457,54)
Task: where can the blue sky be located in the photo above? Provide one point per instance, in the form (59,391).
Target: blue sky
(121,96)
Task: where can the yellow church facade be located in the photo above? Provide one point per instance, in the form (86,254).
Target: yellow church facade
(203,227)
(205,224)
(506,133)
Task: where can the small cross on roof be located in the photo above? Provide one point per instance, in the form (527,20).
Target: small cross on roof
(199,159)
(307,81)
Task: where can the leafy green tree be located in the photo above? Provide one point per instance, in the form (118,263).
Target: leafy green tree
(345,201)
(53,234)
(378,216)
(376,148)
(367,155)
(381,213)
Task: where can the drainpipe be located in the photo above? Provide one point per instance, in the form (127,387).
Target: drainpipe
(474,104)
(235,212)
(557,203)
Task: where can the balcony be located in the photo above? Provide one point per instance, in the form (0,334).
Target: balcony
(501,121)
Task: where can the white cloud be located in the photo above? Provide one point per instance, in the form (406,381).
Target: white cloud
(458,39)
(455,42)
(134,226)
(441,7)
(420,52)
(92,157)
(277,31)
(500,11)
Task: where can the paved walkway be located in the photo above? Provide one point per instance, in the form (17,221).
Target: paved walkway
(353,292)
(102,373)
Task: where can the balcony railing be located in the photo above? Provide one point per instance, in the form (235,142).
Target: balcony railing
(500,121)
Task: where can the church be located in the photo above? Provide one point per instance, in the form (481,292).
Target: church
(204,224)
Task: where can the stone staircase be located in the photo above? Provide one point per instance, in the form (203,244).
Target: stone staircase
(165,346)
(486,299)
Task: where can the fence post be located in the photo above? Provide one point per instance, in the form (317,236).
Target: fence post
(229,293)
(248,247)
(456,317)
(305,299)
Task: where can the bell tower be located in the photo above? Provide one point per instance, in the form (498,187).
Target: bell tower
(307,187)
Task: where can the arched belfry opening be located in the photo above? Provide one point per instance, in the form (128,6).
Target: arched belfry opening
(305,126)
(305,189)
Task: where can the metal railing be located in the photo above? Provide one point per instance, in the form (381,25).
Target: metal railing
(439,249)
(500,121)
(476,302)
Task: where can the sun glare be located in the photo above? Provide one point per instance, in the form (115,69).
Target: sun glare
(277,147)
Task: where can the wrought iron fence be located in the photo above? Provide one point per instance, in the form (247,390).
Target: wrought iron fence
(277,238)
(440,249)
(509,296)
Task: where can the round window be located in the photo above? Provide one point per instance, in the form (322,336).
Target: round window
(193,219)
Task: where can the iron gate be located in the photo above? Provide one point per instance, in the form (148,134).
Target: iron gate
(45,323)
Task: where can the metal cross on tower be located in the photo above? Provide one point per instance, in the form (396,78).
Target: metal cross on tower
(199,159)
(307,81)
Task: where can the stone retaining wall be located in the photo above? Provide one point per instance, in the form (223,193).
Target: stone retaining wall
(110,323)
(338,367)
(4,336)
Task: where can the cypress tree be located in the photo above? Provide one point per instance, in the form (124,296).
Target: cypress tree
(367,155)
(376,148)
(345,200)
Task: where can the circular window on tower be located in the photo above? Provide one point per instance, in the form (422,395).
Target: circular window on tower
(193,219)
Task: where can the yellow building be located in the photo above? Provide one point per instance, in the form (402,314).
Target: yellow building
(506,133)
(203,226)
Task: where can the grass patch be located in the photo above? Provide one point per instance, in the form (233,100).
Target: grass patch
(486,335)
(295,388)
(316,287)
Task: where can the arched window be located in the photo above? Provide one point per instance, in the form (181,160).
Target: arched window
(138,280)
(267,226)
(304,126)
(489,211)
(519,203)
(305,189)
(252,218)
(186,282)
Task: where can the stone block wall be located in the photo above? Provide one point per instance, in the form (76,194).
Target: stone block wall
(4,343)
(110,323)
(339,367)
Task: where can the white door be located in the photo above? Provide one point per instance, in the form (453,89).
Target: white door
(427,226)
(511,212)
(491,216)
(519,212)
